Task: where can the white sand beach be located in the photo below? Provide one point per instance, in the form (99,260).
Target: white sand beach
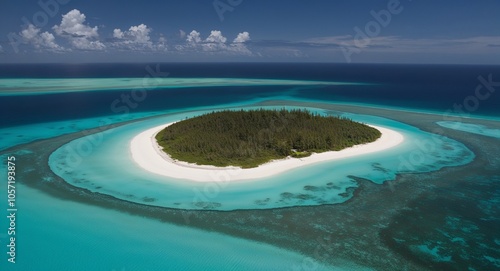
(148,154)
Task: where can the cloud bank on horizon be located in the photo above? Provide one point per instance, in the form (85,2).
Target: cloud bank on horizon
(81,36)
(388,32)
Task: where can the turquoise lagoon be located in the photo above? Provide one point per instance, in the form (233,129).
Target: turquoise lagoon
(61,234)
(102,162)
(55,234)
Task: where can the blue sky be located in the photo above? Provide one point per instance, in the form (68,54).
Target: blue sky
(357,31)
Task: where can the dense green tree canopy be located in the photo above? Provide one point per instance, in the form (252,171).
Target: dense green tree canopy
(250,138)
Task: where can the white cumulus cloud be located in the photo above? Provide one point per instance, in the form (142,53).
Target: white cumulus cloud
(31,35)
(242,37)
(117,33)
(238,46)
(193,37)
(137,38)
(48,40)
(140,33)
(80,35)
(216,43)
(216,37)
(193,41)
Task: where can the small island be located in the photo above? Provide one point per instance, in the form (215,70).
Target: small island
(249,138)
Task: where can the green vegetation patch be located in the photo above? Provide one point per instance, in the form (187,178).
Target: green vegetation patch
(251,138)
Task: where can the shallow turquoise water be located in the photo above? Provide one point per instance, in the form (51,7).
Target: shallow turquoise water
(64,235)
(103,163)
(56,234)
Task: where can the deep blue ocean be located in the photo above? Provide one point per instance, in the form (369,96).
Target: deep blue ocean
(424,87)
